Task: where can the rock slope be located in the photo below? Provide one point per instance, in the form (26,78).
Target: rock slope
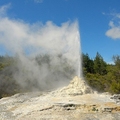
(77,101)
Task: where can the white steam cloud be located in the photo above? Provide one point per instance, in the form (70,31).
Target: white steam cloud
(26,41)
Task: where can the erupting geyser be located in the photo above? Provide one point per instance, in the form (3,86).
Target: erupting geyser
(78,54)
(76,50)
(76,101)
(59,47)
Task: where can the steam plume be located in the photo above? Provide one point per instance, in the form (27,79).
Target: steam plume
(56,46)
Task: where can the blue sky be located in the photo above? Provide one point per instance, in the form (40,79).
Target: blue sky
(99,20)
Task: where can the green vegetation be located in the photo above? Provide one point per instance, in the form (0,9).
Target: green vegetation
(8,85)
(100,75)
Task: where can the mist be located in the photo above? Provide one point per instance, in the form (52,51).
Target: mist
(46,56)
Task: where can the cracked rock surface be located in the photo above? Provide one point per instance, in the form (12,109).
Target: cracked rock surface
(77,101)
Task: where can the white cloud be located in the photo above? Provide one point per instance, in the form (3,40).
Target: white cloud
(103,13)
(114,31)
(3,9)
(38,1)
(111,24)
(118,15)
(115,15)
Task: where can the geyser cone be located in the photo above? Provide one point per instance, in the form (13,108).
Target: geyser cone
(77,86)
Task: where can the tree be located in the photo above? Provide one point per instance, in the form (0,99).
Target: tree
(116,60)
(117,66)
(100,65)
(87,64)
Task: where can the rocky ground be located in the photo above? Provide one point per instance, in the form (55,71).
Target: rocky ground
(77,101)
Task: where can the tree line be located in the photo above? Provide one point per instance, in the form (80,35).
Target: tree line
(100,75)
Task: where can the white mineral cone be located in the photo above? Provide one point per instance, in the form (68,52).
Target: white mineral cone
(77,86)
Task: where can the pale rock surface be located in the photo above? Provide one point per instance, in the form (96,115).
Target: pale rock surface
(77,101)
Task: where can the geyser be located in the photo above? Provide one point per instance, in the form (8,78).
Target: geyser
(47,56)
(79,56)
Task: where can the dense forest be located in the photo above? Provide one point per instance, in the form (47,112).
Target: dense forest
(100,75)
